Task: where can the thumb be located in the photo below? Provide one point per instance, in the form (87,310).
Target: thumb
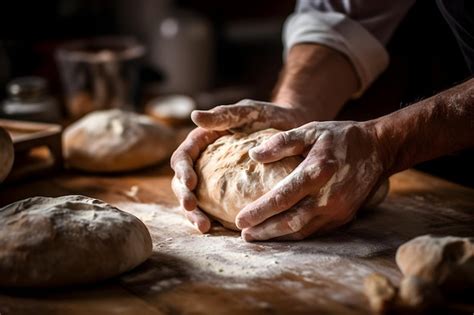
(226,117)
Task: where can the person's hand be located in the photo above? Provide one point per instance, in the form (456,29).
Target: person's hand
(185,178)
(246,115)
(342,166)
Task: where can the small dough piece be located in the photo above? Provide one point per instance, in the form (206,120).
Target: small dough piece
(445,261)
(115,140)
(69,240)
(380,292)
(228,179)
(434,265)
(418,294)
(6,154)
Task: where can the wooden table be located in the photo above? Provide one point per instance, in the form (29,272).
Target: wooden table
(218,273)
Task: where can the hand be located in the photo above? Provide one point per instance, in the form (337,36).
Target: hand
(246,115)
(342,166)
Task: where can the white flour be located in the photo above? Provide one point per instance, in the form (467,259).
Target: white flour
(224,254)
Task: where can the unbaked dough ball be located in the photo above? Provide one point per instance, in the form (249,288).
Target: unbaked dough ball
(445,261)
(115,140)
(228,179)
(46,242)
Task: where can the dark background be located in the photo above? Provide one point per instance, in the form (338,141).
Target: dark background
(425,58)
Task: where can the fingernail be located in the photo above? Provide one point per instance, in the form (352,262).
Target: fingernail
(188,204)
(254,153)
(195,115)
(241,223)
(247,236)
(203,227)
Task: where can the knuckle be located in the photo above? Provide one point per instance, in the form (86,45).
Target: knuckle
(253,215)
(309,174)
(279,201)
(283,139)
(175,157)
(218,108)
(293,223)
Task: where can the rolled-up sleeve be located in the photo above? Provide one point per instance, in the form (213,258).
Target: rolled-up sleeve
(358,29)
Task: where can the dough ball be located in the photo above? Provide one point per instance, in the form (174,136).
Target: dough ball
(228,179)
(380,292)
(445,261)
(6,154)
(115,141)
(46,242)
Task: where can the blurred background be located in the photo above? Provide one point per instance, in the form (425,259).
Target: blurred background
(65,58)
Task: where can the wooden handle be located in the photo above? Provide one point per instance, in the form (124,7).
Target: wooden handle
(6,154)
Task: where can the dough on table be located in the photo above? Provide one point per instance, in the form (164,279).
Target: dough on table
(445,262)
(434,268)
(228,179)
(115,140)
(48,242)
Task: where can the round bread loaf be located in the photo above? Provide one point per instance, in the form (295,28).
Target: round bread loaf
(115,140)
(228,179)
(48,242)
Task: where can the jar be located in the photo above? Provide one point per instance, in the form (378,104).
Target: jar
(28,99)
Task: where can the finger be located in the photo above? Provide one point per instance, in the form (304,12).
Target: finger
(199,220)
(285,144)
(185,173)
(183,158)
(246,116)
(279,146)
(300,183)
(289,222)
(186,198)
(320,225)
(226,117)
(316,226)
(378,194)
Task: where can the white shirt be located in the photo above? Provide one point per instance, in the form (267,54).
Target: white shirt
(357,28)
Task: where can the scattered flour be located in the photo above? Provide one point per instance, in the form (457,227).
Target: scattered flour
(224,254)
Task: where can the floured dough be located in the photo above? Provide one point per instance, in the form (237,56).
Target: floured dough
(46,242)
(115,140)
(228,179)
(446,262)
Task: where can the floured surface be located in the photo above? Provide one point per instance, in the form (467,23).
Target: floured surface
(328,268)
(190,273)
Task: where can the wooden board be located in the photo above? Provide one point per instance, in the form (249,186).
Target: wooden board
(37,146)
(218,273)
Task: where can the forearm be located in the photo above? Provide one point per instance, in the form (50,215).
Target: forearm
(428,129)
(317,80)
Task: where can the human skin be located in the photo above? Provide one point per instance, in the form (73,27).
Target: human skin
(344,161)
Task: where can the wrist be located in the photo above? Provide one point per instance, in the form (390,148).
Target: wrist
(383,146)
(318,80)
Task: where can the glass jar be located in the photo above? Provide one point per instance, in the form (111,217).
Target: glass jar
(28,99)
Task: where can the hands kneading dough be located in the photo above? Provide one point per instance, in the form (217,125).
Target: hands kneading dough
(229,179)
(246,115)
(115,141)
(341,165)
(272,192)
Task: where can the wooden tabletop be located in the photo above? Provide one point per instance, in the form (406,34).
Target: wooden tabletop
(218,273)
